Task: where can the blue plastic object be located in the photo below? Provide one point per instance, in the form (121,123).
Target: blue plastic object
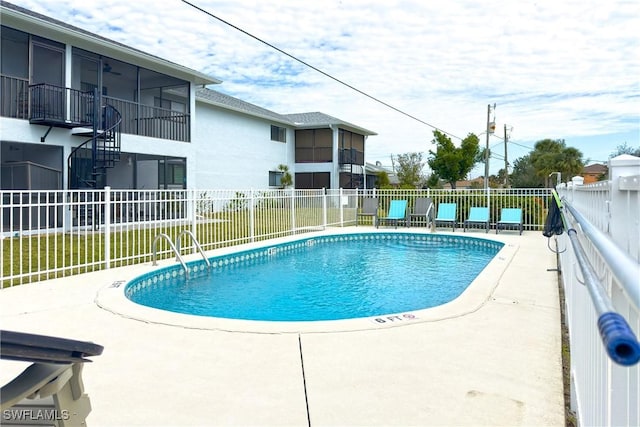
(618,338)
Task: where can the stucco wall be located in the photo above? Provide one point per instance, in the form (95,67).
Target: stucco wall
(234,151)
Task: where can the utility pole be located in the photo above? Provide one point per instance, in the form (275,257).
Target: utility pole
(491,127)
(506,163)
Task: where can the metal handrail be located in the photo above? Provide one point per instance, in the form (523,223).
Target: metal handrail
(619,340)
(173,247)
(196,243)
(623,267)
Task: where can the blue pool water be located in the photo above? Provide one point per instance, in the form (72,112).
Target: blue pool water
(326,278)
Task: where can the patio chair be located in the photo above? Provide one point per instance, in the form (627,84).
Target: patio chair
(422,209)
(510,218)
(397,213)
(478,216)
(51,387)
(369,208)
(447,214)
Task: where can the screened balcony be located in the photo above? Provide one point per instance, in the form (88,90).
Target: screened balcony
(51,105)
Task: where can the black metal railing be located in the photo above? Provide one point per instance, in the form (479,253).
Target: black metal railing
(59,106)
(155,122)
(55,105)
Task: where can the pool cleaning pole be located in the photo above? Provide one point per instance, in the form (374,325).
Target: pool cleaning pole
(618,338)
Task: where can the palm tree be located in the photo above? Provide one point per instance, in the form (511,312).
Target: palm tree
(551,156)
(286,179)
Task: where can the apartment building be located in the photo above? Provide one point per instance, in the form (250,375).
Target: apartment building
(81,111)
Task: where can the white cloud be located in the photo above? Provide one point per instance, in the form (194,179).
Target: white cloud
(555,68)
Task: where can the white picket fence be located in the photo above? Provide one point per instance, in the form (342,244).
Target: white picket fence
(606,220)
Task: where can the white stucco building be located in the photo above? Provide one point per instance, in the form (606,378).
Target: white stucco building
(81,111)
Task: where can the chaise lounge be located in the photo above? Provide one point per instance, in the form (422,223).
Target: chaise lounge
(422,211)
(51,388)
(447,214)
(478,216)
(369,209)
(510,218)
(397,213)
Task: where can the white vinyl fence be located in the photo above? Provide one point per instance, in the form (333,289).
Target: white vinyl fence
(49,234)
(600,265)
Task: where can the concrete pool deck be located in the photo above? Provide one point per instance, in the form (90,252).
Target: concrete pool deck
(496,363)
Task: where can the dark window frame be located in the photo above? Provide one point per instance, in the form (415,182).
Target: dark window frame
(275,178)
(278,134)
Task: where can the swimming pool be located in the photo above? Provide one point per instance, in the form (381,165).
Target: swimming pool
(329,277)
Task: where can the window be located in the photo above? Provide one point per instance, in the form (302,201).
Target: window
(351,148)
(278,134)
(172,173)
(313,180)
(314,146)
(275,179)
(14,53)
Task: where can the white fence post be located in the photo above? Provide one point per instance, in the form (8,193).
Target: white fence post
(624,174)
(252,217)
(341,207)
(107,227)
(324,207)
(293,210)
(192,207)
(67,222)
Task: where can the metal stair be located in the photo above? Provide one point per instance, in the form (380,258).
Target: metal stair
(88,163)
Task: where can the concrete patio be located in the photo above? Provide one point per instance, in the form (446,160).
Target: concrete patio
(495,362)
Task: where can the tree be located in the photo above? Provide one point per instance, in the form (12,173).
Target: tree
(549,156)
(524,174)
(453,163)
(625,149)
(285,179)
(409,170)
(382,180)
(433,181)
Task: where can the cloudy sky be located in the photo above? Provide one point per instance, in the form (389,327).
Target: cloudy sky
(560,69)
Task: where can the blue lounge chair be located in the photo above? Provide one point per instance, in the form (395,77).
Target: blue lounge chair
(447,214)
(422,210)
(510,218)
(478,216)
(397,212)
(369,208)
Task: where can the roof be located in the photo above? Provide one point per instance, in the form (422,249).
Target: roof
(375,169)
(317,119)
(297,121)
(596,168)
(45,26)
(214,97)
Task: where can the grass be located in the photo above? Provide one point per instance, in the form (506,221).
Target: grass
(53,255)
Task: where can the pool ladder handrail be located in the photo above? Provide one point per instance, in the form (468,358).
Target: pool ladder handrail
(197,245)
(173,247)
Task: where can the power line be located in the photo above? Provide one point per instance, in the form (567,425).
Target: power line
(320,71)
(520,145)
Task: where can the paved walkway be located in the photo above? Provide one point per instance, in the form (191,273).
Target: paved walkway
(495,362)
